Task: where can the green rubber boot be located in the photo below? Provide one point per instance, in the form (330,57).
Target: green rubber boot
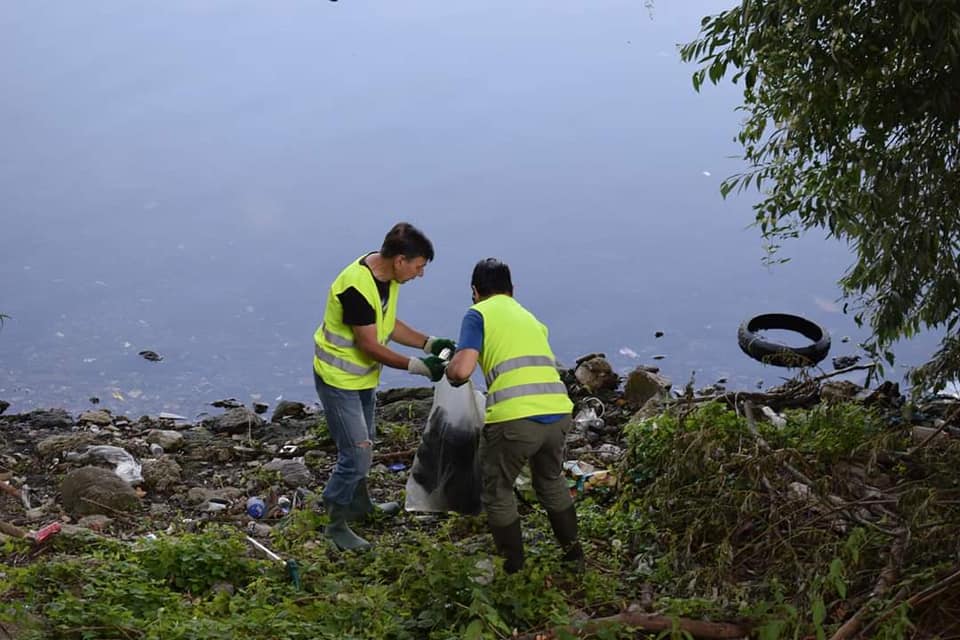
(362,506)
(339,532)
(509,543)
(564,524)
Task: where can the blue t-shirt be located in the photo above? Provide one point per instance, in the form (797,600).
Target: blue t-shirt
(471,337)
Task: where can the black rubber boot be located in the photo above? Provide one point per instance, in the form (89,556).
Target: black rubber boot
(362,506)
(339,531)
(564,524)
(509,543)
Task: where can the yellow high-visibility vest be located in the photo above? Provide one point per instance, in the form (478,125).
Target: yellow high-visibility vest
(518,364)
(336,357)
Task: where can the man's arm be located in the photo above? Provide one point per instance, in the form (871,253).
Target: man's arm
(366,338)
(461,367)
(407,336)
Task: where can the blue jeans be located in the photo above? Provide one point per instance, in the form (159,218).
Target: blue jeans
(351,423)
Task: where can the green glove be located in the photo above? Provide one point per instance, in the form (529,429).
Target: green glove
(432,367)
(433,346)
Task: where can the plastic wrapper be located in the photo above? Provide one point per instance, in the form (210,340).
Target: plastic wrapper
(445,475)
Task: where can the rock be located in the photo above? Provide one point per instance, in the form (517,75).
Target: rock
(56,446)
(166,438)
(643,385)
(259,530)
(650,409)
(596,374)
(4,405)
(842,362)
(288,409)
(260,407)
(833,391)
(415,411)
(609,453)
(227,403)
(50,419)
(100,418)
(196,495)
(238,420)
(293,473)
(94,522)
(162,475)
(91,490)
(152,356)
(404,393)
(887,394)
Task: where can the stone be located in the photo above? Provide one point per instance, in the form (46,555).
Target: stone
(56,446)
(390,396)
(260,407)
(413,411)
(609,453)
(197,495)
(239,420)
(834,391)
(95,522)
(642,385)
(288,409)
(293,473)
(596,374)
(50,419)
(166,438)
(91,490)
(4,405)
(101,418)
(162,475)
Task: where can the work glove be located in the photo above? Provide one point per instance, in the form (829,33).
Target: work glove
(433,346)
(432,367)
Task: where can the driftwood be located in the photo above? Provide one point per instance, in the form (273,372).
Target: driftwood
(12,530)
(391,456)
(647,622)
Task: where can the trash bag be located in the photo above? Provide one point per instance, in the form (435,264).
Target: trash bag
(445,475)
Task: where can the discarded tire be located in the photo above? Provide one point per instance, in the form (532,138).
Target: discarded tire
(782,355)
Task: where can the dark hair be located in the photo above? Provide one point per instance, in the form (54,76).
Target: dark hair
(406,240)
(491,276)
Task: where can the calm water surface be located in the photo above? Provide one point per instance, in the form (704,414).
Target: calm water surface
(189,176)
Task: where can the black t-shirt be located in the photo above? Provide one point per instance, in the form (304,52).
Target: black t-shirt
(356,310)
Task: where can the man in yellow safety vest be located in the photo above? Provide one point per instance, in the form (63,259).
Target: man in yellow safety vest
(350,348)
(527,412)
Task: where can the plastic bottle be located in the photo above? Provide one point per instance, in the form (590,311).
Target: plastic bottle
(256,507)
(283,504)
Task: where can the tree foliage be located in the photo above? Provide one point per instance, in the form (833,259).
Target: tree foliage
(852,124)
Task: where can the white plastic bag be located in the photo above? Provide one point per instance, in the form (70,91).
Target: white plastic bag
(445,475)
(127,467)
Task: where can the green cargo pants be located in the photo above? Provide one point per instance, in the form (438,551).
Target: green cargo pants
(505,447)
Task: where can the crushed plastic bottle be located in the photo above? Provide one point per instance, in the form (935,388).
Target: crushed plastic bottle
(256,507)
(283,505)
(588,418)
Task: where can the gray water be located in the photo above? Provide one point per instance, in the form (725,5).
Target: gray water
(189,176)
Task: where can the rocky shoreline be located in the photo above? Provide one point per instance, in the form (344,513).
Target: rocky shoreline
(59,468)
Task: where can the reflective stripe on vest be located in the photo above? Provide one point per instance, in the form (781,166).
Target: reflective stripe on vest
(340,341)
(342,364)
(516,363)
(336,339)
(530,389)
